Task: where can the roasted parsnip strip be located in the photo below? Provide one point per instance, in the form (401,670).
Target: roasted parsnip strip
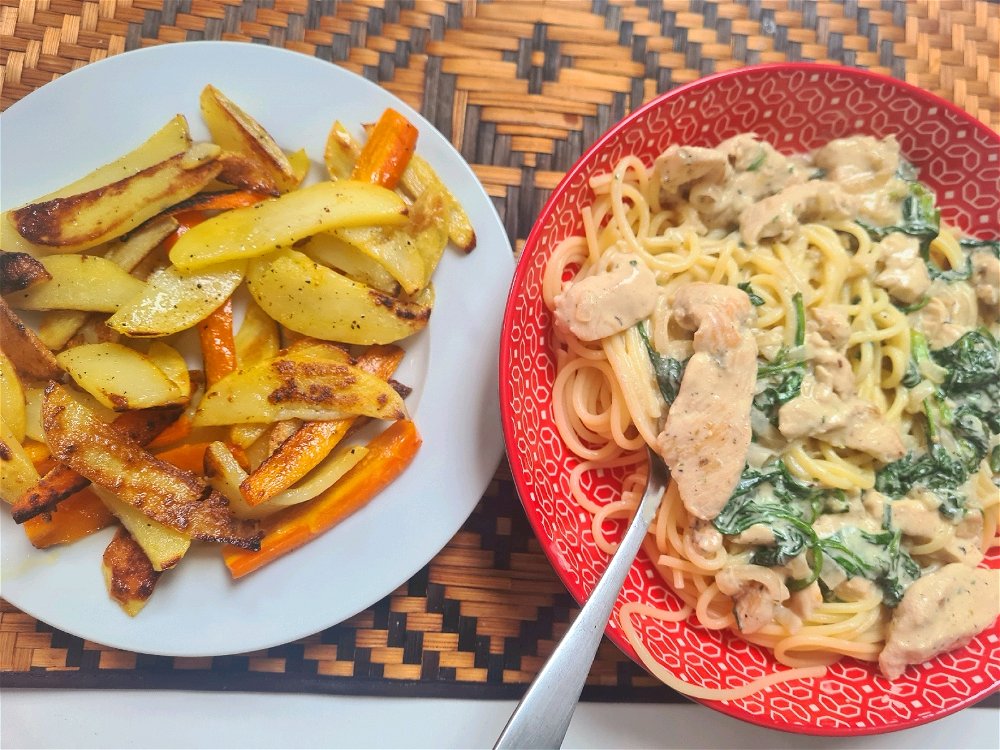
(175,498)
(62,481)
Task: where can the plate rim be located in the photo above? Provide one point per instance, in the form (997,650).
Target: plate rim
(529,254)
(493,241)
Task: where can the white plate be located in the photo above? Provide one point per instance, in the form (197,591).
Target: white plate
(93,115)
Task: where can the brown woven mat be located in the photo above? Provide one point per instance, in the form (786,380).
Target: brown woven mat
(521,88)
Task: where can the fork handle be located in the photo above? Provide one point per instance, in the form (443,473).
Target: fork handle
(543,715)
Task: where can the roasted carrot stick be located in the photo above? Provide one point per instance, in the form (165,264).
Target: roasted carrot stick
(385,155)
(218,346)
(185,220)
(190,457)
(221,201)
(388,454)
(313,441)
(77,516)
(61,481)
(176,431)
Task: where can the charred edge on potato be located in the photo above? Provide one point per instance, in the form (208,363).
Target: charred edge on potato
(18,271)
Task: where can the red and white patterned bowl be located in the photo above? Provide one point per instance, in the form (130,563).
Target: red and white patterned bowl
(796,106)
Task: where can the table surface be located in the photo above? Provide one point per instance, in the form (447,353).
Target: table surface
(521,89)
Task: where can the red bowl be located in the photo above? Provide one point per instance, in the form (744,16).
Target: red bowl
(795,106)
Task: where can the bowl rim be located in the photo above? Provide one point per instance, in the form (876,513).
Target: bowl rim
(530,251)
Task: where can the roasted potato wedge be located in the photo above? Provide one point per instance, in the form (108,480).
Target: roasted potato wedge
(12,399)
(79,282)
(245,233)
(19,271)
(289,387)
(225,474)
(317,301)
(163,546)
(173,365)
(58,327)
(128,574)
(120,377)
(171,140)
(61,481)
(175,498)
(25,350)
(33,396)
(174,301)
(17,473)
(236,131)
(78,222)
(329,250)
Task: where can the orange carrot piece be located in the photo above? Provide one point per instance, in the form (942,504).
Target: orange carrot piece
(176,431)
(385,155)
(77,516)
(190,457)
(313,441)
(218,345)
(185,220)
(221,201)
(388,455)
(38,453)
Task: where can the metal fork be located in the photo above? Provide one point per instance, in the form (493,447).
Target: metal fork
(543,715)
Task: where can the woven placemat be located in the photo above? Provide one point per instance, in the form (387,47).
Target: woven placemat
(521,88)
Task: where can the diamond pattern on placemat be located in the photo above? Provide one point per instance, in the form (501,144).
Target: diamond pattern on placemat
(521,89)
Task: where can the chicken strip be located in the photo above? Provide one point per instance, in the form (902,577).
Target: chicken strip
(707,433)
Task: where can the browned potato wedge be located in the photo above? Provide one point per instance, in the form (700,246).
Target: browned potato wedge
(329,250)
(82,221)
(164,547)
(175,301)
(57,327)
(128,574)
(121,378)
(19,271)
(175,498)
(245,233)
(17,473)
(12,399)
(317,301)
(169,141)
(24,349)
(79,282)
(238,132)
(297,387)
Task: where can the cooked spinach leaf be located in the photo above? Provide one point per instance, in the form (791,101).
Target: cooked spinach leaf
(921,219)
(877,557)
(755,299)
(960,418)
(973,244)
(668,371)
(788,507)
(780,380)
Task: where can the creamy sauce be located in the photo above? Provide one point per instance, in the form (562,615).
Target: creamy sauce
(940,612)
(986,277)
(608,302)
(707,432)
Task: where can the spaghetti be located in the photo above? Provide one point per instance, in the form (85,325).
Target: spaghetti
(870,456)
